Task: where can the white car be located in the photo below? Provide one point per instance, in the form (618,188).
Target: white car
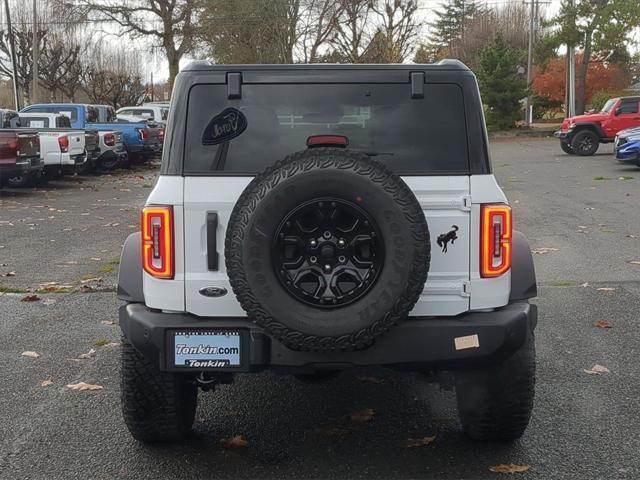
(61,147)
(159,113)
(323,217)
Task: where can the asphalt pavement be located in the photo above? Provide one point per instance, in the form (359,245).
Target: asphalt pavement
(582,218)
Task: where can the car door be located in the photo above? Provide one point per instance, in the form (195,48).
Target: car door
(627,114)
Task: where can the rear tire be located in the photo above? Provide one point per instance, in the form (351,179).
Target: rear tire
(566,148)
(21,181)
(585,143)
(495,403)
(157,406)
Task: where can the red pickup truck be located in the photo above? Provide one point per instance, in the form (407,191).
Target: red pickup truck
(583,134)
(20,161)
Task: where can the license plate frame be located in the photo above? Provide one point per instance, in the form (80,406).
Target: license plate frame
(210,337)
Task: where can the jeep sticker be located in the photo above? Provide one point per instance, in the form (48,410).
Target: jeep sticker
(225,126)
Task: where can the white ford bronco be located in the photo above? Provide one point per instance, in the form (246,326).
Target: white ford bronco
(312,218)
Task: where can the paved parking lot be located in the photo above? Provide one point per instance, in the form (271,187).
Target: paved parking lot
(581,215)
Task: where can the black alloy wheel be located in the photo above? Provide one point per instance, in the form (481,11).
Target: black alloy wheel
(328,252)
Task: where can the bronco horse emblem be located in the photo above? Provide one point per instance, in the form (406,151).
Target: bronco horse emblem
(445,238)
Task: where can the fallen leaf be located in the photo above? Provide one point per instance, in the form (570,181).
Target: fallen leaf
(48,284)
(635,262)
(543,250)
(90,354)
(84,386)
(236,441)
(605,289)
(49,301)
(30,298)
(509,468)
(92,279)
(112,344)
(419,442)
(362,416)
(108,322)
(46,383)
(370,379)
(97,259)
(603,324)
(585,285)
(582,227)
(596,370)
(8,274)
(631,236)
(86,289)
(30,354)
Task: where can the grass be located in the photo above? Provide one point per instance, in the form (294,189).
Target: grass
(109,266)
(602,178)
(100,343)
(147,185)
(626,177)
(561,283)
(56,289)
(12,289)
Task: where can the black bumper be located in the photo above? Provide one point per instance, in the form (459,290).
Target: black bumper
(418,343)
(24,166)
(562,135)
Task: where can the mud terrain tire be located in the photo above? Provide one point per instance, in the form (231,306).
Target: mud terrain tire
(344,176)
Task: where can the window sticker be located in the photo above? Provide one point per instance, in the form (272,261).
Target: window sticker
(225,126)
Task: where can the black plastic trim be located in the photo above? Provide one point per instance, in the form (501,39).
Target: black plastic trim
(523,273)
(212,241)
(234,85)
(130,270)
(417,84)
(417,343)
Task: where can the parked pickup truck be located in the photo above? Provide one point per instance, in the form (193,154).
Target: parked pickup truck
(140,139)
(61,147)
(583,134)
(20,161)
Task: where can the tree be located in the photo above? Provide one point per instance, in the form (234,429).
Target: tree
(351,37)
(500,85)
(451,22)
(394,38)
(602,76)
(250,31)
(171,23)
(58,56)
(590,26)
(319,20)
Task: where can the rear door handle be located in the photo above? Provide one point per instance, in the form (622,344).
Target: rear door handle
(212,241)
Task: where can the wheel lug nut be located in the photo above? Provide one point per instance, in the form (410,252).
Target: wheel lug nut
(313,259)
(341,243)
(341,259)
(327,268)
(327,234)
(313,242)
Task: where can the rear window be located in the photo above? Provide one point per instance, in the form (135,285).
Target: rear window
(35,122)
(70,112)
(411,136)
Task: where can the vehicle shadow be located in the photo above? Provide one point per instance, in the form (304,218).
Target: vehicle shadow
(299,430)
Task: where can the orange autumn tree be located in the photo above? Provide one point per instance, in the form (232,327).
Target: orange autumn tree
(549,84)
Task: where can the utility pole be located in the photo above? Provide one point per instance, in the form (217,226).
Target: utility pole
(152,99)
(36,54)
(12,43)
(527,113)
(571,76)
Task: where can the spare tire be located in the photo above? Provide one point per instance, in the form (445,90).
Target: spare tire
(327,249)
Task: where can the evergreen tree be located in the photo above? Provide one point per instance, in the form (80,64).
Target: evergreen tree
(500,85)
(449,26)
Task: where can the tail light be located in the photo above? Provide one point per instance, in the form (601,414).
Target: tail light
(495,240)
(143,133)
(157,241)
(161,134)
(64,144)
(109,139)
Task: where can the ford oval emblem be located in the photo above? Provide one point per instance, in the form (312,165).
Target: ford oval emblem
(213,291)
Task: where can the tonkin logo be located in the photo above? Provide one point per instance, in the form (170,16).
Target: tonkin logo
(223,127)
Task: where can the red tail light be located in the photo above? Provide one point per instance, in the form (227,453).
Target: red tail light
(161,133)
(495,240)
(64,144)
(327,141)
(144,133)
(157,241)
(109,139)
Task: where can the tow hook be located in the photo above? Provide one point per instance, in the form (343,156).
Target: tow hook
(207,381)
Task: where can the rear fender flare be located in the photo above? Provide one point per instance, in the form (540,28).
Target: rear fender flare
(130,271)
(523,274)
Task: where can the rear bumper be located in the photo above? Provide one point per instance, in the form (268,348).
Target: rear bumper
(418,343)
(27,166)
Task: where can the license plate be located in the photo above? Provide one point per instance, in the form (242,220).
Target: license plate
(206,349)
